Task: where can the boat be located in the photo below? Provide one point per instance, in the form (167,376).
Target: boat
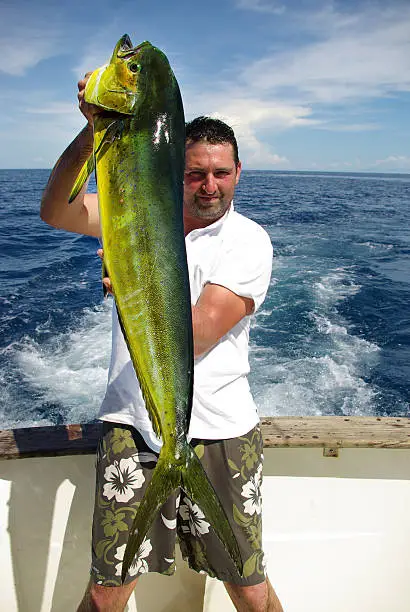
(336,519)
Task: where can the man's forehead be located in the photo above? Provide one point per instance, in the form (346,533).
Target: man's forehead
(204,152)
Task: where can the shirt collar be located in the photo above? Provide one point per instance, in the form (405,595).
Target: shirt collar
(214,227)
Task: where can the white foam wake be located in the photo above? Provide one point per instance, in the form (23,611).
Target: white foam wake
(70,369)
(326,373)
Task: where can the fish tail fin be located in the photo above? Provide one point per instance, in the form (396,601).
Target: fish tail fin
(166,478)
(197,486)
(188,474)
(83,175)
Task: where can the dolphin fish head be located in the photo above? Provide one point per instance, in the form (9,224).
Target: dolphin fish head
(135,77)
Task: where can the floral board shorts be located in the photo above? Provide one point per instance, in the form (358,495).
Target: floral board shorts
(124,467)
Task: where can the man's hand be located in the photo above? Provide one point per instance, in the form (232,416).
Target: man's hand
(82,215)
(105,281)
(88,110)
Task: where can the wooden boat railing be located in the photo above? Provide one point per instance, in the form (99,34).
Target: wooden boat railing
(328,432)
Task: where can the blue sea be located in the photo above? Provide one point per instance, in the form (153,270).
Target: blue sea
(332,337)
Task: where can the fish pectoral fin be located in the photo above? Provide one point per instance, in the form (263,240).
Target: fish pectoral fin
(113,132)
(197,486)
(85,172)
(164,481)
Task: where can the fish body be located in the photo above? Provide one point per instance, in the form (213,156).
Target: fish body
(139,147)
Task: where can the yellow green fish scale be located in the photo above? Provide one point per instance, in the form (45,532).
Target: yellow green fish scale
(139,149)
(139,221)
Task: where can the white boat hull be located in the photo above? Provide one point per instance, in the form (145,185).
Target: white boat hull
(336,531)
(336,535)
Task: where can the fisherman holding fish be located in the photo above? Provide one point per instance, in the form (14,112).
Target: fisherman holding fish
(229,261)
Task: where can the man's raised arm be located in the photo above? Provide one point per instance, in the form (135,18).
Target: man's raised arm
(81,216)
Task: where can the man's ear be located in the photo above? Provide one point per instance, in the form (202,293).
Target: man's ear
(238,172)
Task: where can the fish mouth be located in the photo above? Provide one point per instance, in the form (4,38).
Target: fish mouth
(125,48)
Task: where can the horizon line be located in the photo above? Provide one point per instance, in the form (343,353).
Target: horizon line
(277,171)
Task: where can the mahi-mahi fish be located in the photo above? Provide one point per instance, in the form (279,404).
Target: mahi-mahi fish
(139,149)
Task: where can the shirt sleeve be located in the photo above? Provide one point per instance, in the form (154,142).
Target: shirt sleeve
(245,266)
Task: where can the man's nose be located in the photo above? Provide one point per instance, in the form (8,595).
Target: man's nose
(209,184)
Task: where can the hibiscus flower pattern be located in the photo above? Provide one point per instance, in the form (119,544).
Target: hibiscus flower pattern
(121,439)
(122,478)
(123,474)
(113,522)
(139,565)
(193,515)
(252,493)
(249,470)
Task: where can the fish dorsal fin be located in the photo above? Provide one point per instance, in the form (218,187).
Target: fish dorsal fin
(113,132)
(84,173)
(149,403)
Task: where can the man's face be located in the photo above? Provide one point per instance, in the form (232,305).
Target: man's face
(209,181)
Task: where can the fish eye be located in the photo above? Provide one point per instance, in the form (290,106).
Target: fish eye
(134,67)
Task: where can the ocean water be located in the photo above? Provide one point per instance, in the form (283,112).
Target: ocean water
(332,337)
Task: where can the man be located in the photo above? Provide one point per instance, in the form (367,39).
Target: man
(229,260)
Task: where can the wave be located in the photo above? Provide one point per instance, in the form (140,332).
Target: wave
(322,371)
(61,379)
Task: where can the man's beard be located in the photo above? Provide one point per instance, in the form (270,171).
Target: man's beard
(216,210)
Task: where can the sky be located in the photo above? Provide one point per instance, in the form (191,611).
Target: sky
(306,84)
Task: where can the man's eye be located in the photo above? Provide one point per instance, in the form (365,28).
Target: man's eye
(221,174)
(195,175)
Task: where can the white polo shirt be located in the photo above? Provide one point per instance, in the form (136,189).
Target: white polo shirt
(236,253)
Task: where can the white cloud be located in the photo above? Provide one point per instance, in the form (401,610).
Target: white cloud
(257,112)
(366,55)
(351,56)
(37,134)
(337,58)
(261,6)
(95,55)
(34,31)
(335,166)
(392,163)
(54,108)
(395,161)
(349,127)
(339,164)
(98,48)
(17,60)
(254,153)
(29,33)
(251,119)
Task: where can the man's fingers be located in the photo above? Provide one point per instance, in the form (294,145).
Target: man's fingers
(105,281)
(107,284)
(88,110)
(83,82)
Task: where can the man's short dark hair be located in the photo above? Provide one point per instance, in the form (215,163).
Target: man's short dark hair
(213,131)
